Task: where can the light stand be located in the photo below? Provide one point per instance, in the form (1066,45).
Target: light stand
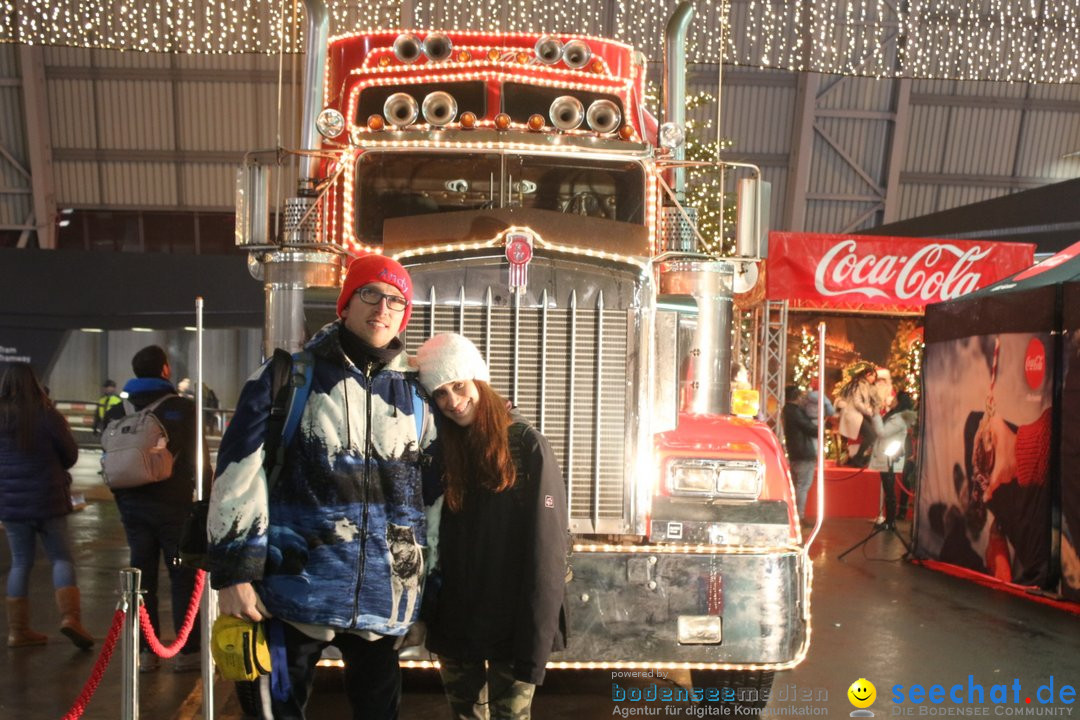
(891,452)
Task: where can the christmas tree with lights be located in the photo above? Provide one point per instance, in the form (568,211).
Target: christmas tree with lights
(805,362)
(905,358)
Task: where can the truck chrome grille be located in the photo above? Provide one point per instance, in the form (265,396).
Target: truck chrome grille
(565,366)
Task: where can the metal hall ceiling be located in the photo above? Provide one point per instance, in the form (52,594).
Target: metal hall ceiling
(900,133)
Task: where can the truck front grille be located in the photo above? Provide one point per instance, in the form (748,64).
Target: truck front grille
(565,367)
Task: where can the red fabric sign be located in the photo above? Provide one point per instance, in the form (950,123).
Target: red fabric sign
(834,271)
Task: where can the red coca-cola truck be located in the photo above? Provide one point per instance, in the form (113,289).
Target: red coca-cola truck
(537,206)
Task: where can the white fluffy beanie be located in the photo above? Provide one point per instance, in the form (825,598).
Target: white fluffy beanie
(449,357)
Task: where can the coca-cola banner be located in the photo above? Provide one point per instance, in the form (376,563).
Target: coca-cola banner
(849,271)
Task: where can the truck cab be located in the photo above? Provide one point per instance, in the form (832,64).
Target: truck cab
(521,181)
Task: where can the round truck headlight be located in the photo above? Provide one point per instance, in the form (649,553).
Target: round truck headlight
(672,135)
(330,123)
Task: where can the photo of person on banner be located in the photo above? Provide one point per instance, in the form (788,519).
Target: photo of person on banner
(989,417)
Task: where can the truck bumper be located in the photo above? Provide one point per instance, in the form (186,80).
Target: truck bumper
(625,606)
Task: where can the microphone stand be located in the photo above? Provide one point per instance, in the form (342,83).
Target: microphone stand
(880,528)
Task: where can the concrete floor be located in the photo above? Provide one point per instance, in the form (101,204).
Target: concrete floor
(874,617)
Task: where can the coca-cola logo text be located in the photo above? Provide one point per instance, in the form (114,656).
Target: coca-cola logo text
(1035,363)
(938,271)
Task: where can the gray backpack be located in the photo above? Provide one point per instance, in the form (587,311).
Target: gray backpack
(135,449)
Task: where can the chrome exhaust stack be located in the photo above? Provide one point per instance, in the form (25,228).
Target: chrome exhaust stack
(705,377)
(317,34)
(674,88)
(298,260)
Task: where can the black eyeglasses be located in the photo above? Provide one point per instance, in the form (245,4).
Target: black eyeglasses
(373,297)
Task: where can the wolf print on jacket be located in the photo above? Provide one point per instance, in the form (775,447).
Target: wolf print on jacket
(406,569)
(335,541)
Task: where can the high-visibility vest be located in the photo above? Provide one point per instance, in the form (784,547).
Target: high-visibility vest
(105,402)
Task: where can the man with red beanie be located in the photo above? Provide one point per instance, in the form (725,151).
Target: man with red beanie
(332,550)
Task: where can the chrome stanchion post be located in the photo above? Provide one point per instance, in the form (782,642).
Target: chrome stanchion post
(131,601)
(209,598)
(209,615)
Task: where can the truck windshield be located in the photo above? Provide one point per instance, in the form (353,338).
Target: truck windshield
(398,185)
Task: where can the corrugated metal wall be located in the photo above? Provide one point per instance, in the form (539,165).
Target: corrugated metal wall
(16,202)
(86,359)
(152,131)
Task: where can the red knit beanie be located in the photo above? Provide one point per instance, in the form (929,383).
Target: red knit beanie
(371,268)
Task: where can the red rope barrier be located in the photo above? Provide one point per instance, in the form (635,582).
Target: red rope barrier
(181,634)
(79,707)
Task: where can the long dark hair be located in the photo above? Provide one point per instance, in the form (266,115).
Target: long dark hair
(22,403)
(478,455)
(904,401)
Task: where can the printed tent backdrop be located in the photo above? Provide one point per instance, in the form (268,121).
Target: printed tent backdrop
(1000,466)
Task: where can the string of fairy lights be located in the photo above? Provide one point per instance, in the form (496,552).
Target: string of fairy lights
(999,40)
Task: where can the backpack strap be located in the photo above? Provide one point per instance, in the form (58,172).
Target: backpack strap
(154,405)
(281,370)
(303,370)
(291,385)
(419,413)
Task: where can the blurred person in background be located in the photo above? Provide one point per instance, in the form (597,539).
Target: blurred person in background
(153,515)
(800,437)
(889,456)
(36,450)
(109,399)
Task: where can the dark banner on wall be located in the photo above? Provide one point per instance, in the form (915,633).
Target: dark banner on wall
(985,492)
(30,345)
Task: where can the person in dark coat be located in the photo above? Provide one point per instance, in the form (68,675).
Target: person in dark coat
(501,553)
(36,450)
(800,436)
(153,515)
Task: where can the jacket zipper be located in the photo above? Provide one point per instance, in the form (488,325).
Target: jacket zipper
(362,560)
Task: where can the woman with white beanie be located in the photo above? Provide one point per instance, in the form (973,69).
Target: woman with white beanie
(502,543)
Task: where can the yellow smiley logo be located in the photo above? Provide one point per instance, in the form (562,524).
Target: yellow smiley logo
(862,693)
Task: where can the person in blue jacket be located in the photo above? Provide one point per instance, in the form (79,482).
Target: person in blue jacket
(36,450)
(502,540)
(333,549)
(154,514)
